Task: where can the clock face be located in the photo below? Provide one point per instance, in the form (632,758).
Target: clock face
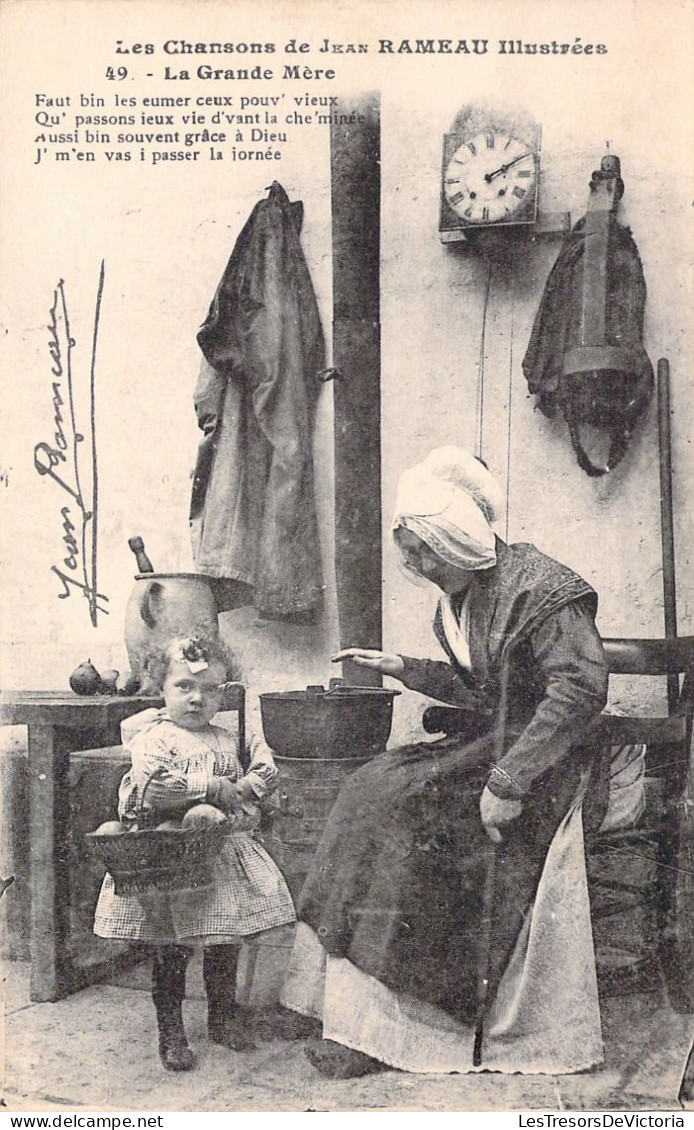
(491,179)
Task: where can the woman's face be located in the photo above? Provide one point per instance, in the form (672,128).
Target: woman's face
(422,558)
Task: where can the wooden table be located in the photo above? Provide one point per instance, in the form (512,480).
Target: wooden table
(58,724)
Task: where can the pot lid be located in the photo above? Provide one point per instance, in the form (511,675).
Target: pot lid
(336,690)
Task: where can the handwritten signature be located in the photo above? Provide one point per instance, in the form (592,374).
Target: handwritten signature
(60,460)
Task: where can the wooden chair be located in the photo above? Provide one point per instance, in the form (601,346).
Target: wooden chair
(663,836)
(662,840)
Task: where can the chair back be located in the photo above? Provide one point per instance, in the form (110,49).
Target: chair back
(667,736)
(663,839)
(650,656)
(234,701)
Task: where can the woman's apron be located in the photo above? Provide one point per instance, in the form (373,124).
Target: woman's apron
(545,1017)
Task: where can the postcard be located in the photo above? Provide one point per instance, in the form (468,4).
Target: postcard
(302,303)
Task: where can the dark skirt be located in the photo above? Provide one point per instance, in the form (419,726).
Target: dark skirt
(396,884)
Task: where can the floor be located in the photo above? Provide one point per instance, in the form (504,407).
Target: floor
(96,1050)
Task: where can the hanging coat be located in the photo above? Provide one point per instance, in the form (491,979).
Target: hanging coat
(253,517)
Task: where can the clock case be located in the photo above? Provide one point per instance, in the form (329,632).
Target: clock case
(454,228)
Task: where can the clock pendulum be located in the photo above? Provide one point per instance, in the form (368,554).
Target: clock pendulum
(488,200)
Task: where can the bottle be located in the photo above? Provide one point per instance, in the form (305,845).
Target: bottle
(144,564)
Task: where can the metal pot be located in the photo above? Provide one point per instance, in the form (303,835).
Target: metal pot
(343,721)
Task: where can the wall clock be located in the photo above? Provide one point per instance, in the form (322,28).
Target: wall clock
(490,172)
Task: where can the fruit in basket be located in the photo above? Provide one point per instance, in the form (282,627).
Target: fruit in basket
(110,828)
(202,816)
(85,679)
(169,826)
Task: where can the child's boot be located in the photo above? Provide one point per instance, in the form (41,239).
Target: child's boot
(168,993)
(227,1023)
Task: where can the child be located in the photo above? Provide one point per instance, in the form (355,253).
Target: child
(197,762)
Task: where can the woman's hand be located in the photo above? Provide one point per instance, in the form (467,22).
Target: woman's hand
(496,812)
(382,661)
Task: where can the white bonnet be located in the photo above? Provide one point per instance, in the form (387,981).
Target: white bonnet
(463,470)
(450,500)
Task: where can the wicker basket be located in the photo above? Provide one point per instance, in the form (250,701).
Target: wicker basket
(168,860)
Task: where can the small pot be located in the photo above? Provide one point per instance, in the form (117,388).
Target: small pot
(341,722)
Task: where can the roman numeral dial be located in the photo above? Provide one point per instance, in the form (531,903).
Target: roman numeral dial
(491,178)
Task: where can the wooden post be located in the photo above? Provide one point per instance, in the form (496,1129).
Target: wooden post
(355,172)
(667,535)
(48,854)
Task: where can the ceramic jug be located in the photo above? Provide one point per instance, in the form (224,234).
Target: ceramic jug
(163,606)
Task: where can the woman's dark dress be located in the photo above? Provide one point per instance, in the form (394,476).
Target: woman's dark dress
(396,883)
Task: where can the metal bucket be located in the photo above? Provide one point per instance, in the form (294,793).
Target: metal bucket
(307,792)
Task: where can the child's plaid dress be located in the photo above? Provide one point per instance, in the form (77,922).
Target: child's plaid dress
(248,893)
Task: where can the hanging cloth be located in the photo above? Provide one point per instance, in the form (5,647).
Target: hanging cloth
(252,515)
(585,356)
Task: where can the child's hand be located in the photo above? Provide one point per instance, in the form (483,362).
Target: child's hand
(230,795)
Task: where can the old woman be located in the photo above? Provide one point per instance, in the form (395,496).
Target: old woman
(392,953)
